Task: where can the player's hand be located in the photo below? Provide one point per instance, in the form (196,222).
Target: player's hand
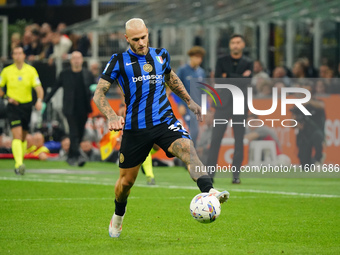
(195,108)
(12,101)
(116,123)
(38,105)
(246,73)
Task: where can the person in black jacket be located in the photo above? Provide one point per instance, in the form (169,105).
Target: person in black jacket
(234,66)
(76,102)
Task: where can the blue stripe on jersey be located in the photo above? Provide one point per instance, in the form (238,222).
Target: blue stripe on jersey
(129,69)
(146,101)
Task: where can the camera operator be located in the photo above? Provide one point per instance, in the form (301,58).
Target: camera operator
(311,129)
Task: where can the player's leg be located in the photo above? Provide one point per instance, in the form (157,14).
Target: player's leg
(127,177)
(176,141)
(134,149)
(24,143)
(15,122)
(147,168)
(183,148)
(17,150)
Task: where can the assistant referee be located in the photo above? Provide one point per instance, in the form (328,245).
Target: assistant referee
(19,79)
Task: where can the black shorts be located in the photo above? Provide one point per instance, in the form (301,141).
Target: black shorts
(137,144)
(19,115)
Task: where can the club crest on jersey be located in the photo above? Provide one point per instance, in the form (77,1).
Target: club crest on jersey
(160,59)
(147,68)
(121,158)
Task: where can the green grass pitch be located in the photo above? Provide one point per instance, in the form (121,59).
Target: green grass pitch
(57,209)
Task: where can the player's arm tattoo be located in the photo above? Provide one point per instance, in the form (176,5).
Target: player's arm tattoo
(176,85)
(101,101)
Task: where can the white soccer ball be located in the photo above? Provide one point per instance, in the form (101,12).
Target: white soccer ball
(205,208)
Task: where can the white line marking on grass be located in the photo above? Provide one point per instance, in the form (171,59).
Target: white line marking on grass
(92,198)
(174,187)
(55,199)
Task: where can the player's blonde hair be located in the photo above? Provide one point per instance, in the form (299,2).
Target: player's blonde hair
(134,23)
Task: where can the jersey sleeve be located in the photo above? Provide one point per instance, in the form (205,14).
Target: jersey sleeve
(35,78)
(111,71)
(3,78)
(167,67)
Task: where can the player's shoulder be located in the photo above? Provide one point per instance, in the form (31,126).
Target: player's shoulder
(116,57)
(8,68)
(158,51)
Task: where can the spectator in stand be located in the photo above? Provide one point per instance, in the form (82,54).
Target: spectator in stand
(320,88)
(65,148)
(30,144)
(326,72)
(5,144)
(280,73)
(279,85)
(61,26)
(61,46)
(265,88)
(88,151)
(45,29)
(26,41)
(310,70)
(15,41)
(36,47)
(187,72)
(41,151)
(95,69)
(47,46)
(259,73)
(299,69)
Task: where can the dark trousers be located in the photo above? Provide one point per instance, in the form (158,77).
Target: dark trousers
(76,124)
(218,133)
(307,140)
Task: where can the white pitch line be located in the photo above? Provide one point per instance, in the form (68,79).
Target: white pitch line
(175,187)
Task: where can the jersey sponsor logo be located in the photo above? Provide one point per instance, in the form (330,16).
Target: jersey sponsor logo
(19,78)
(147,68)
(153,78)
(160,59)
(37,81)
(15,122)
(128,64)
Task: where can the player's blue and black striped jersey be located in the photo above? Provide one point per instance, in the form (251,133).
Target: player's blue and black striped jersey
(142,81)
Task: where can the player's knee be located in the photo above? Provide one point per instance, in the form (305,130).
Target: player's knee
(127,183)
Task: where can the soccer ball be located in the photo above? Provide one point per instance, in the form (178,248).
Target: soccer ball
(205,208)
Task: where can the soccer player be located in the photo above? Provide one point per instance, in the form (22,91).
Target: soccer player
(141,72)
(19,79)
